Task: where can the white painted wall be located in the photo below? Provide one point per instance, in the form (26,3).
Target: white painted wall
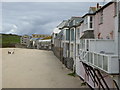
(108,46)
(113,65)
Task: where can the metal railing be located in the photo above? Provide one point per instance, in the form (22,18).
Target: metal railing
(101,61)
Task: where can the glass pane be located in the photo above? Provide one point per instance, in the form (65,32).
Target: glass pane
(72,35)
(99,61)
(95,60)
(105,63)
(78,47)
(67,34)
(90,18)
(90,25)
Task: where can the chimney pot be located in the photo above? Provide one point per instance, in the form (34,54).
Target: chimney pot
(97,5)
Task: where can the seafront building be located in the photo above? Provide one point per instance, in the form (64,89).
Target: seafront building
(25,40)
(44,44)
(89,45)
(40,41)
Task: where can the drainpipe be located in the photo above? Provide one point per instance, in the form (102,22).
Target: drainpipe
(60,49)
(118,40)
(69,42)
(75,51)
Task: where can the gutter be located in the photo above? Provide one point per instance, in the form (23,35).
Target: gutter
(118,8)
(118,35)
(75,50)
(69,43)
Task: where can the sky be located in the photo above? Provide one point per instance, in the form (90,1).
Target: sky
(38,17)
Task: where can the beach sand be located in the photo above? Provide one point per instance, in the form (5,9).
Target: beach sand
(31,68)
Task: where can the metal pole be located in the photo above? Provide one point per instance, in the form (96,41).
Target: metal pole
(118,14)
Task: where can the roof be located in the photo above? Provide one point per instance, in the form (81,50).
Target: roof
(87,34)
(56,30)
(74,21)
(65,24)
(88,14)
(62,24)
(109,3)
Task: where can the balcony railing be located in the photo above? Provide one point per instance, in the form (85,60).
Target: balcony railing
(107,63)
(98,45)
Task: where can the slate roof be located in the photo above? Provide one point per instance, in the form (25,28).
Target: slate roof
(74,21)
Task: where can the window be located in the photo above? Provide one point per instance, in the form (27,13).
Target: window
(119,19)
(71,47)
(72,35)
(67,34)
(67,46)
(78,47)
(74,22)
(101,17)
(91,20)
(56,35)
(115,8)
(85,26)
(85,20)
(78,33)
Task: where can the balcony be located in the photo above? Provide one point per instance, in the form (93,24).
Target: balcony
(99,54)
(98,46)
(106,63)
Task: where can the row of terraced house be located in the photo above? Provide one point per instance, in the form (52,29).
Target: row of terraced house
(89,45)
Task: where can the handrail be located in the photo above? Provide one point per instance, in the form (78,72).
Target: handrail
(96,76)
(116,85)
(95,61)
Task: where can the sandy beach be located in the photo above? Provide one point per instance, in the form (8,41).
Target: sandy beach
(31,68)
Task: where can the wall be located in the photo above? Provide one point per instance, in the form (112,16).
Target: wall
(108,22)
(102,45)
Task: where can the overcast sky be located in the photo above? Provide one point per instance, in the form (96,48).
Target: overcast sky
(39,17)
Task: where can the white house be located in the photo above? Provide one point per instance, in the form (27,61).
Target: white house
(25,40)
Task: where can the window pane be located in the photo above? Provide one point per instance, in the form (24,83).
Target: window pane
(90,18)
(105,63)
(67,34)
(90,25)
(100,61)
(72,35)
(95,60)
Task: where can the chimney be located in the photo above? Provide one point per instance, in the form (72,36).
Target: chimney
(97,5)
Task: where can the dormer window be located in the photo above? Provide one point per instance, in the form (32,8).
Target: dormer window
(91,22)
(86,20)
(73,22)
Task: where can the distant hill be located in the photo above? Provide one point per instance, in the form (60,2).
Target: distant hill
(9,40)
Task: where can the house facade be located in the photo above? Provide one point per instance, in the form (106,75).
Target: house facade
(44,44)
(97,55)
(25,40)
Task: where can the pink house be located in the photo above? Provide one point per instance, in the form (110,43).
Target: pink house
(104,26)
(97,54)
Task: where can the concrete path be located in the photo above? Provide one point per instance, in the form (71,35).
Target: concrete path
(30,68)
